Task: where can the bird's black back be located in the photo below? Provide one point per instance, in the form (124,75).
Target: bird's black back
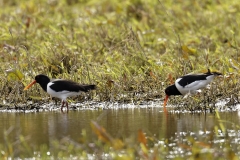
(61,85)
(187,79)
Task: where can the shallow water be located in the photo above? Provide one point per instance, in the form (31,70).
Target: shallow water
(43,127)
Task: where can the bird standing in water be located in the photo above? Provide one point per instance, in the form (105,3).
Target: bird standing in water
(60,88)
(189,84)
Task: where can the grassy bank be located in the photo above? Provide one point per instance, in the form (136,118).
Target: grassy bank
(131,49)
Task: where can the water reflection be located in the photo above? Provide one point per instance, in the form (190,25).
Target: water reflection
(42,127)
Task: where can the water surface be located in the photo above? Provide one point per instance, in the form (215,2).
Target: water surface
(43,127)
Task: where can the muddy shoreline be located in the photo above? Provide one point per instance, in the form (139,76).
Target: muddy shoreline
(31,106)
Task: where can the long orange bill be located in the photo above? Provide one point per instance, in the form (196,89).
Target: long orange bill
(30,85)
(165,103)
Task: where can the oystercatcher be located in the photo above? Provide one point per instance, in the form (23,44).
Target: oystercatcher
(60,88)
(189,84)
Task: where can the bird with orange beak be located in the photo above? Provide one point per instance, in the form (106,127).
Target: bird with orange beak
(189,84)
(60,88)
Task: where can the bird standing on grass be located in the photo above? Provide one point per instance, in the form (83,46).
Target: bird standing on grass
(60,88)
(189,84)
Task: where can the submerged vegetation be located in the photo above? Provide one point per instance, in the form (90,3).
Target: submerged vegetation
(217,143)
(131,50)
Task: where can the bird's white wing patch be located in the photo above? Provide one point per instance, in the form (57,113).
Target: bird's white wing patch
(192,87)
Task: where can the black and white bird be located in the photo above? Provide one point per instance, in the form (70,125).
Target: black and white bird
(60,88)
(189,84)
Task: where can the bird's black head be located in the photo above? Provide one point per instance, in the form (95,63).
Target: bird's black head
(172,90)
(43,80)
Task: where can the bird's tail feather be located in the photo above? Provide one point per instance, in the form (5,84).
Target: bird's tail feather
(213,73)
(89,87)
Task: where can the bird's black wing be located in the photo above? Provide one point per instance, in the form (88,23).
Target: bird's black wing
(188,79)
(66,85)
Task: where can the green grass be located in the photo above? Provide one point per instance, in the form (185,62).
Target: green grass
(130,49)
(127,48)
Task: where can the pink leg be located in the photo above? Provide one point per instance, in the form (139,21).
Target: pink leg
(62,105)
(67,105)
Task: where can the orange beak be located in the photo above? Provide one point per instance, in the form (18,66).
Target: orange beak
(30,85)
(165,103)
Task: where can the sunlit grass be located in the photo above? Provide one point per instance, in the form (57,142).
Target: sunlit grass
(130,49)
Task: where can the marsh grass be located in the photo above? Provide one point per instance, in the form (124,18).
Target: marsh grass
(149,42)
(132,50)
